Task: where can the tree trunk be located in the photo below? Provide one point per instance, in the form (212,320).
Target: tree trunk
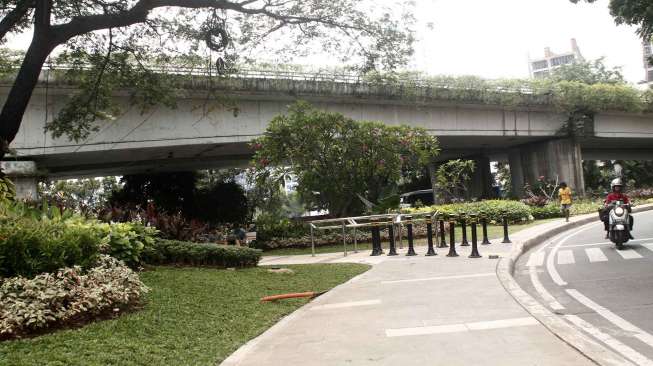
(21,91)
(434,184)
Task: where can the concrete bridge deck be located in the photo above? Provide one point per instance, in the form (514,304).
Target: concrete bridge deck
(194,137)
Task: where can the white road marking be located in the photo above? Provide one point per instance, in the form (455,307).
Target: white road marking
(566,257)
(602,243)
(550,267)
(648,246)
(629,254)
(489,274)
(613,318)
(612,342)
(349,304)
(536,259)
(462,327)
(403,332)
(595,255)
(546,296)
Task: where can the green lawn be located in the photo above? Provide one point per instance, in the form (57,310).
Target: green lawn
(193,317)
(494,232)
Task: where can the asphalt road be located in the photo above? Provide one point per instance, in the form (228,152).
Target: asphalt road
(606,293)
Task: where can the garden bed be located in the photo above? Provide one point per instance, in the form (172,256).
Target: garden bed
(193,317)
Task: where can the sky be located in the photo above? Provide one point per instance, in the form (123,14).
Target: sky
(493,39)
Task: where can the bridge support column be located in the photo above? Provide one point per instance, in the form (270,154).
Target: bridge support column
(516,173)
(553,159)
(24,175)
(481,182)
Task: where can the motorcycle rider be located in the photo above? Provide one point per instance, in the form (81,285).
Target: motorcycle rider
(617,194)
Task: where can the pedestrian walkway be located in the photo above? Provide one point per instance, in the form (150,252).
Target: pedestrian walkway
(411,311)
(595,253)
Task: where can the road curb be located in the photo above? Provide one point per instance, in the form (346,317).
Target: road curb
(594,351)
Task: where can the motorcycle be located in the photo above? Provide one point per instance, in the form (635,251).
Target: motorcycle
(619,224)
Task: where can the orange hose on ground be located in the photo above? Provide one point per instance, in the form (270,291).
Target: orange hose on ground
(289,296)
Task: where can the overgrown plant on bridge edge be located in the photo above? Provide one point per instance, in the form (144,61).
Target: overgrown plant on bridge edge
(576,99)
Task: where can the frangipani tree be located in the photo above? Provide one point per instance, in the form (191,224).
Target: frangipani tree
(335,158)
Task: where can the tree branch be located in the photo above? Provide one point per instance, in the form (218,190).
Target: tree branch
(139,12)
(14,16)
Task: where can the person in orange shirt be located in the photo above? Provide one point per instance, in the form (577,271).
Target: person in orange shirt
(565,199)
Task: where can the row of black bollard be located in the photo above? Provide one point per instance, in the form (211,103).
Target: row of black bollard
(486,241)
(429,239)
(474,253)
(452,239)
(391,234)
(443,242)
(411,248)
(377,248)
(506,239)
(463,227)
(376,241)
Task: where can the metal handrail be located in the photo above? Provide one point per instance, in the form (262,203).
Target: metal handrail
(367,221)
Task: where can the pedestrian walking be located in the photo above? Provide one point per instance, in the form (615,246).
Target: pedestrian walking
(565,199)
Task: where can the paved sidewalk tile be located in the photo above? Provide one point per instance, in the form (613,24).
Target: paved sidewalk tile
(411,311)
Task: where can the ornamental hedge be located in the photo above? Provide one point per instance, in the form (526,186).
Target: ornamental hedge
(200,254)
(69,296)
(30,246)
(493,210)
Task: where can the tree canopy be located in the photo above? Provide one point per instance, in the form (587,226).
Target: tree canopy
(631,12)
(122,43)
(588,72)
(338,160)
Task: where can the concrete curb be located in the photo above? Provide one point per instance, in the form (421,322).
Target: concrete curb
(594,351)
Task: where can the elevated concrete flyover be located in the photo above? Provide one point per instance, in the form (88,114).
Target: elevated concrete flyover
(196,135)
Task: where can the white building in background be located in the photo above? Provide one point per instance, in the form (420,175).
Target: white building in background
(647,52)
(542,67)
(290,183)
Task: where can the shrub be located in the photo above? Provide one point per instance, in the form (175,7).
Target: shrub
(269,227)
(69,296)
(494,210)
(29,247)
(641,193)
(585,207)
(170,226)
(128,240)
(536,201)
(548,211)
(194,254)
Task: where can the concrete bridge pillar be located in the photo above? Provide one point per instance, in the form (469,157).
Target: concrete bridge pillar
(552,159)
(25,176)
(480,186)
(516,173)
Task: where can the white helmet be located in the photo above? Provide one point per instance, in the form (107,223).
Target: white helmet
(616,182)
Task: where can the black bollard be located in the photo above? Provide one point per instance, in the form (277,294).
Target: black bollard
(391,234)
(429,239)
(463,227)
(474,242)
(376,241)
(443,241)
(411,248)
(486,240)
(452,239)
(506,239)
